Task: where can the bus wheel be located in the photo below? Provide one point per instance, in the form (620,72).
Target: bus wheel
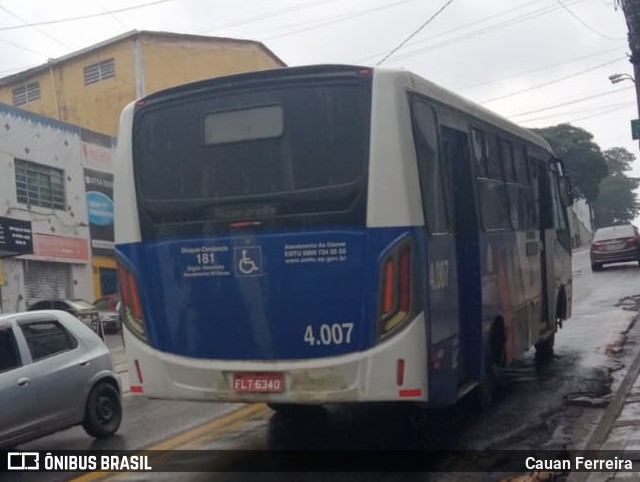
(485,393)
(487,390)
(292,408)
(544,349)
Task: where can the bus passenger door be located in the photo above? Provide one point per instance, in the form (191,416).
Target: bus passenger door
(446,364)
(456,156)
(556,242)
(540,185)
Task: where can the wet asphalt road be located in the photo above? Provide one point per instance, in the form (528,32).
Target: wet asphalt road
(535,410)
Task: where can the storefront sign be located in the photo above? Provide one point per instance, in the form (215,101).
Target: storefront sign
(61,247)
(15,237)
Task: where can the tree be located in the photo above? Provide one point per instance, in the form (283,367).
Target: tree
(617,202)
(583,159)
(618,160)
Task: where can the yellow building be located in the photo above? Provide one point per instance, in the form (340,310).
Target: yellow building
(90,87)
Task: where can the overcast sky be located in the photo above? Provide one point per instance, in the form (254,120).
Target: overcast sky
(537,62)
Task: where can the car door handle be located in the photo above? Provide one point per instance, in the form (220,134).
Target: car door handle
(85,363)
(23,382)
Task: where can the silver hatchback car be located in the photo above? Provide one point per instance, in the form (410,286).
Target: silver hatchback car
(55,373)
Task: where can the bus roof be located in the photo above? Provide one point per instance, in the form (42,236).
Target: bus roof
(418,83)
(465,105)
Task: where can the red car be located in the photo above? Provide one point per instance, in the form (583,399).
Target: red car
(107,302)
(615,244)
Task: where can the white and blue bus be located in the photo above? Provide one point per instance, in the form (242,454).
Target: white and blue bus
(330,233)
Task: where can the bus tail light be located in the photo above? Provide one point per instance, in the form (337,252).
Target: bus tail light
(131,310)
(396,296)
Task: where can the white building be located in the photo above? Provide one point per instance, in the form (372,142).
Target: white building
(45,243)
(581,223)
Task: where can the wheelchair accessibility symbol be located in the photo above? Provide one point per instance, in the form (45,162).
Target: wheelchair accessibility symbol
(248,261)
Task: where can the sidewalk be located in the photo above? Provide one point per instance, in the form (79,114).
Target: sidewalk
(618,430)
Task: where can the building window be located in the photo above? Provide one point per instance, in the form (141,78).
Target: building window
(26,93)
(98,72)
(39,185)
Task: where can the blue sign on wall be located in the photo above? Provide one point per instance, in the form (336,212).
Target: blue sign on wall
(99,188)
(100,208)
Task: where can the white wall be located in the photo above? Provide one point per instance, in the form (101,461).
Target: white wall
(45,141)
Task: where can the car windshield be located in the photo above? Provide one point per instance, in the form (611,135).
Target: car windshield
(613,232)
(81,305)
(102,304)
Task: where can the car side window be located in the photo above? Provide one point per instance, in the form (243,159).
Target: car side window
(9,354)
(46,338)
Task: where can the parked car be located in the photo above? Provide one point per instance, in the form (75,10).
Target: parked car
(107,307)
(615,244)
(55,373)
(81,309)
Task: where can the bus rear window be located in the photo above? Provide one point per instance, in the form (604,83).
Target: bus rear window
(248,124)
(283,150)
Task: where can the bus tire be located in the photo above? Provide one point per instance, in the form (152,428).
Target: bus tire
(103,412)
(544,349)
(289,408)
(485,393)
(487,390)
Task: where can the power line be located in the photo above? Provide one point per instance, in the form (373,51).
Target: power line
(83,17)
(269,14)
(602,94)
(22,47)
(562,117)
(485,30)
(35,27)
(338,18)
(476,22)
(551,82)
(537,69)
(587,110)
(585,24)
(449,2)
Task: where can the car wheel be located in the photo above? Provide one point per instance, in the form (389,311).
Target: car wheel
(596,267)
(103,412)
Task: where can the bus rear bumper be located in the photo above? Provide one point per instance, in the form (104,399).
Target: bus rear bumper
(372,375)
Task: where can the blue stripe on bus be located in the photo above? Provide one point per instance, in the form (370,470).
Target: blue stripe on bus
(253,296)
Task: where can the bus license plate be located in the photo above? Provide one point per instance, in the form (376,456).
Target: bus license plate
(258,382)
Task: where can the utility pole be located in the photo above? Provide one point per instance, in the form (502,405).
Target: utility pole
(631,9)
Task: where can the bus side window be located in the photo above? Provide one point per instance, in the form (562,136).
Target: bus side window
(493,159)
(559,213)
(532,202)
(491,188)
(520,164)
(506,156)
(480,152)
(429,166)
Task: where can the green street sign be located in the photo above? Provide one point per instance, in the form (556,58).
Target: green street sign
(635,129)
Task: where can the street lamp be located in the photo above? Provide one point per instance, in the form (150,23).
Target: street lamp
(616,78)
